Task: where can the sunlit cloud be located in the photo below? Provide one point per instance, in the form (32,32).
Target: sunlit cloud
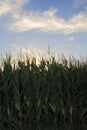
(47,21)
(10,6)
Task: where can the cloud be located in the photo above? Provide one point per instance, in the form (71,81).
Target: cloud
(71,38)
(78,3)
(8,6)
(48,21)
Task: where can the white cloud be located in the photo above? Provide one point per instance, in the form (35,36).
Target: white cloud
(4,7)
(8,6)
(48,21)
(71,38)
(50,12)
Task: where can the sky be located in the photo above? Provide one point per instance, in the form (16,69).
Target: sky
(34,25)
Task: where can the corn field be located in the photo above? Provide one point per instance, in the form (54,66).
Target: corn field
(47,95)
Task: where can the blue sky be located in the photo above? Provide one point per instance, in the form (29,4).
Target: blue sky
(36,24)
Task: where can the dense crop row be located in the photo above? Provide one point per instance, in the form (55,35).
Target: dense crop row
(48,94)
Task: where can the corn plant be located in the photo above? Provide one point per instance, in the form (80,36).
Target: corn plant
(46,94)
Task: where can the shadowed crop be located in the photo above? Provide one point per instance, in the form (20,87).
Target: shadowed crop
(50,94)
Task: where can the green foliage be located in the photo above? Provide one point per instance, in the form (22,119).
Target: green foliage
(47,94)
